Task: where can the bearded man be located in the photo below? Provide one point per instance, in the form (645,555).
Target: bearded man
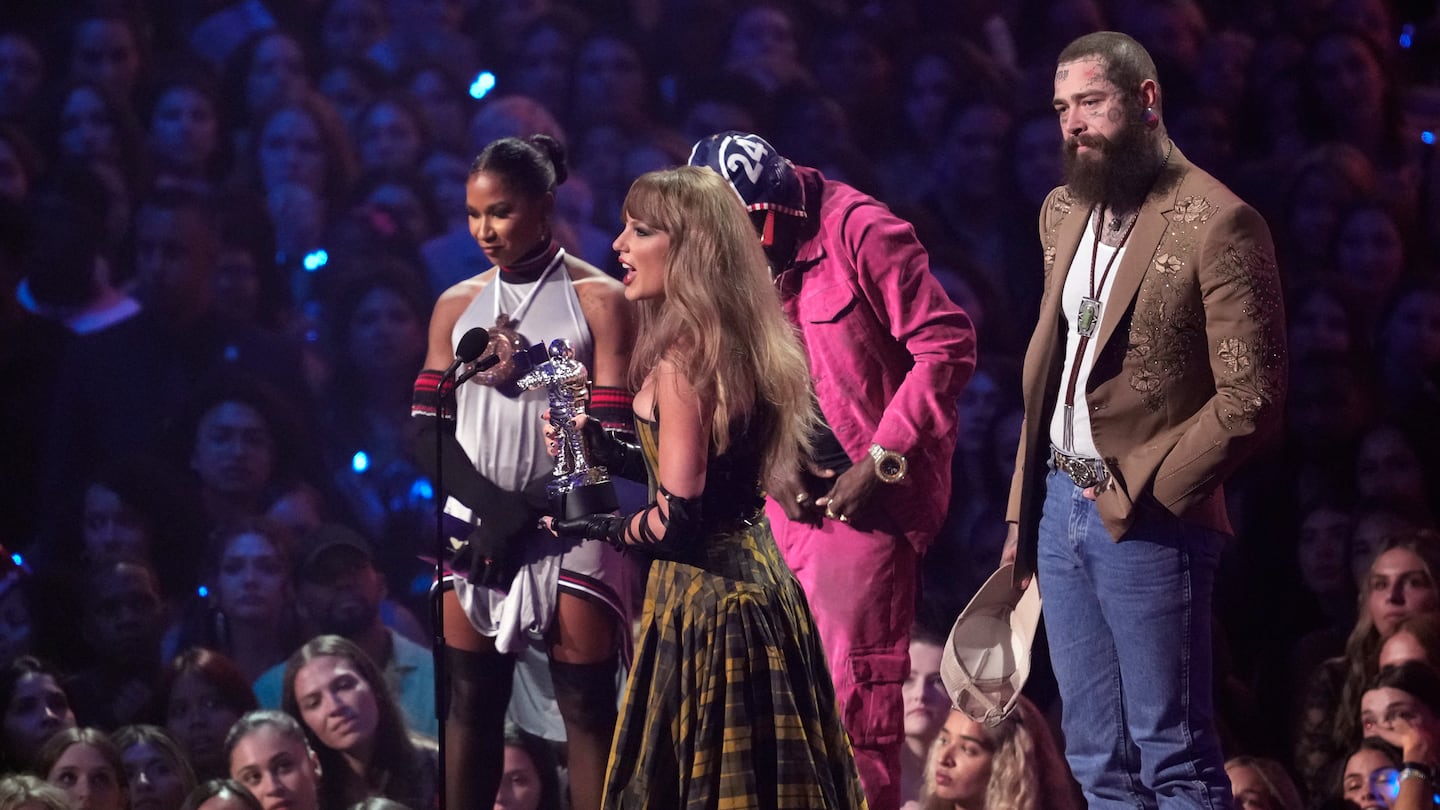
(1156,368)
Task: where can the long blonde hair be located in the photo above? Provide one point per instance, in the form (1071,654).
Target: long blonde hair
(1362,647)
(1027,771)
(720,321)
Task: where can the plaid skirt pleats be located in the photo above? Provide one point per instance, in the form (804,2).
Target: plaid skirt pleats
(729,703)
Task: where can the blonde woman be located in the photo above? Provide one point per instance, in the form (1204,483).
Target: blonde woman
(1013,766)
(729,702)
(1260,783)
(1401,582)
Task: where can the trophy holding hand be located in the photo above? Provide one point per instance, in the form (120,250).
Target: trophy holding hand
(580,487)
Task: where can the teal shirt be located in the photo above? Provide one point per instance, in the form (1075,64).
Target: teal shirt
(410,673)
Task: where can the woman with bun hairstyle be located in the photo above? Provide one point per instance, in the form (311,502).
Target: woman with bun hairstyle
(514,584)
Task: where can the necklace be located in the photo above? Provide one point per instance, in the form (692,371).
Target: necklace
(505,341)
(1087,315)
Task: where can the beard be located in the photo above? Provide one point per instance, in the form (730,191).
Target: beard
(1118,173)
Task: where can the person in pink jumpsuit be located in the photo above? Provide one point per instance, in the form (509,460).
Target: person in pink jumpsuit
(889,354)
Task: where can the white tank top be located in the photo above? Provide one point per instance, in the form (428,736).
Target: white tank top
(499,429)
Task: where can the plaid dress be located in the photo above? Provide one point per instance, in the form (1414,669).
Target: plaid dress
(729,704)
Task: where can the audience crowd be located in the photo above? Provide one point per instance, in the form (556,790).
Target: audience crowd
(240,212)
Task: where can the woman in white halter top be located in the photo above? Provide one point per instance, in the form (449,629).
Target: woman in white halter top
(518,589)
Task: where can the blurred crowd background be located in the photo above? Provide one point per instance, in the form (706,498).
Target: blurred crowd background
(223,226)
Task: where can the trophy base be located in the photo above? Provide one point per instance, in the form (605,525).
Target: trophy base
(587,499)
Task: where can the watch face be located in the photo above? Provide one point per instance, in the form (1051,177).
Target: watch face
(889,465)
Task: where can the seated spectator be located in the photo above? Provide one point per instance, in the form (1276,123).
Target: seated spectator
(35,708)
(123,623)
(155,766)
(1262,784)
(1357,787)
(302,163)
(763,45)
(85,764)
(1325,571)
(391,134)
(85,124)
(350,85)
(248,612)
(135,509)
(351,29)
(268,69)
(340,592)
(378,341)
(1391,473)
(1366,113)
(530,779)
(1374,527)
(270,757)
(440,88)
(183,134)
(1400,583)
(302,509)
(106,47)
(173,348)
(248,286)
(1016,765)
(926,706)
(355,727)
(21,791)
(242,448)
(221,794)
(202,694)
(1416,638)
(1321,185)
(22,51)
(1369,256)
(68,276)
(1322,321)
(1400,698)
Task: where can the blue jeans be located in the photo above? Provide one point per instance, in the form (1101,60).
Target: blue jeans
(1129,630)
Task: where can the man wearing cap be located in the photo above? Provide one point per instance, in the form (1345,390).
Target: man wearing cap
(889,354)
(1156,368)
(338,591)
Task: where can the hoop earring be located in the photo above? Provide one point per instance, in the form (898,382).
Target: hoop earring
(1151,119)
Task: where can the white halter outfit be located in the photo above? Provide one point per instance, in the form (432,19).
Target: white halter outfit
(500,431)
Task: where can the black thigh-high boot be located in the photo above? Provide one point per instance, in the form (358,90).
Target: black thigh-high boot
(475,726)
(586,695)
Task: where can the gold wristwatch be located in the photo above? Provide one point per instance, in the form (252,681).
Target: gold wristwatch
(890,466)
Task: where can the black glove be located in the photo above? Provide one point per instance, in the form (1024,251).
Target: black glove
(597,526)
(610,450)
(490,556)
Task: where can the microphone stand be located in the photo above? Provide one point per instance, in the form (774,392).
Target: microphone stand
(437,591)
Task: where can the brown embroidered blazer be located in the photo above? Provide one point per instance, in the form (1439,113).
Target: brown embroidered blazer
(1189,372)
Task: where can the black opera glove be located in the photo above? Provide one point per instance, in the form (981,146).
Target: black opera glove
(609,449)
(680,527)
(490,556)
(597,526)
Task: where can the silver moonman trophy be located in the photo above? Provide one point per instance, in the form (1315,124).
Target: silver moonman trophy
(579,488)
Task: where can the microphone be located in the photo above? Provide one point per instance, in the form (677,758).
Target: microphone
(483,365)
(472,345)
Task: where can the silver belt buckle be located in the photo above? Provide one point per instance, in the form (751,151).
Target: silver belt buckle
(1083,471)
